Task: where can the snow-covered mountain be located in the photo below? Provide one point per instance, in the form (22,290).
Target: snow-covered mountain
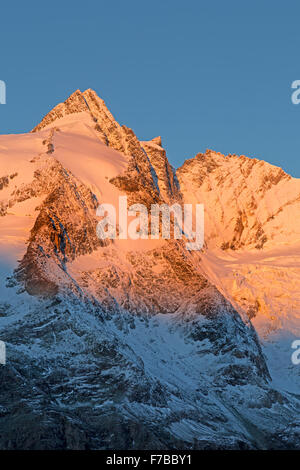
(141,343)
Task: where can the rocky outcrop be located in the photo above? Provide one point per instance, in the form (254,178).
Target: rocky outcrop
(166,175)
(64,229)
(74,104)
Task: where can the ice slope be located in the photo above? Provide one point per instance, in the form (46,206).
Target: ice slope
(265,286)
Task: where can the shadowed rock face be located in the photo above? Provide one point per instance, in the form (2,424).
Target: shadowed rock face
(118,348)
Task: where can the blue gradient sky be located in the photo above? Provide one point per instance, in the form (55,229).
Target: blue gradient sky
(202,74)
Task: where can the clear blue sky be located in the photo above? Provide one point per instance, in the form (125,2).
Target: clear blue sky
(202,74)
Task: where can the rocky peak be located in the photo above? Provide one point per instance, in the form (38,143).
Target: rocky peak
(74,104)
(167,179)
(140,173)
(247,200)
(109,130)
(157,141)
